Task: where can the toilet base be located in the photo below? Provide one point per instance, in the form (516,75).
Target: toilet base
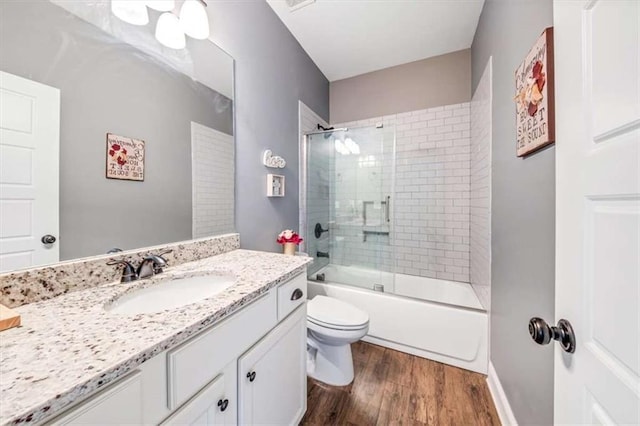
(333,364)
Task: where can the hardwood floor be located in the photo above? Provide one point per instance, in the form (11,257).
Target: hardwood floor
(394,388)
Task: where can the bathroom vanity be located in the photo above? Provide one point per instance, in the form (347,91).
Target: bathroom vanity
(235,358)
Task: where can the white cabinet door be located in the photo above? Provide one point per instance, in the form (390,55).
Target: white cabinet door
(272,376)
(29,145)
(213,405)
(119,404)
(597,52)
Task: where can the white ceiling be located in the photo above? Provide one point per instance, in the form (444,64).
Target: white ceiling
(351,37)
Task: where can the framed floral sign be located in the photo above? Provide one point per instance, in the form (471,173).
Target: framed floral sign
(125,158)
(535,112)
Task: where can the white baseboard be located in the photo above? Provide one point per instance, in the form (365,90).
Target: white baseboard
(500,398)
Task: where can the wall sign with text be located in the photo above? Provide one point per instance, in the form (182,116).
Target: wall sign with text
(125,158)
(535,112)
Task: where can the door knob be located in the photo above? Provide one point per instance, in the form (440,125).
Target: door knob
(48,239)
(542,333)
(251,376)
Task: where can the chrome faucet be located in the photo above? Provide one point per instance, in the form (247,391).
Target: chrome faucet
(128,272)
(151,265)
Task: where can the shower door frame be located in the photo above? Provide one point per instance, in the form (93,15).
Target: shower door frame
(302,183)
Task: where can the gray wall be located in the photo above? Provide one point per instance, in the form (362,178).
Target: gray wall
(107,86)
(272,73)
(436,81)
(523,208)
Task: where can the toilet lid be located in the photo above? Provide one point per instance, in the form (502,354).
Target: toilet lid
(334,312)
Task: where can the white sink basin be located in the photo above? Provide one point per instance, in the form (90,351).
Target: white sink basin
(170,294)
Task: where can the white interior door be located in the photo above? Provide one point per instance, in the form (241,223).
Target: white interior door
(29,156)
(597,54)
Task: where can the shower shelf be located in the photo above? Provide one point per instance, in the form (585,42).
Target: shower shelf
(366,232)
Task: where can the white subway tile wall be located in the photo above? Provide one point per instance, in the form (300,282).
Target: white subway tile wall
(430,233)
(480,213)
(213,176)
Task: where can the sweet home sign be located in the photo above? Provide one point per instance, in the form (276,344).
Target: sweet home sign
(125,158)
(535,112)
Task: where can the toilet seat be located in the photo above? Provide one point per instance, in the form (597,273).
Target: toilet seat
(337,327)
(334,314)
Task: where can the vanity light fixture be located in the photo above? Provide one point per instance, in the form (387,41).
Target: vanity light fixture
(169,33)
(194,20)
(132,12)
(161,5)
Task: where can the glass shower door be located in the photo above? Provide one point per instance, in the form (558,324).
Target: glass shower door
(349,182)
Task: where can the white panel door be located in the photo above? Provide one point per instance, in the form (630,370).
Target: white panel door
(118,404)
(208,407)
(29,153)
(597,54)
(272,376)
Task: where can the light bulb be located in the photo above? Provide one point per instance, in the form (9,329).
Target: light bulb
(353,147)
(169,33)
(194,19)
(340,147)
(133,12)
(161,5)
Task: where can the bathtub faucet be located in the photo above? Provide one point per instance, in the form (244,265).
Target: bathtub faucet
(322,254)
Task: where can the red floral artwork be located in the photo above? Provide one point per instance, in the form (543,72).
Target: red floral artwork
(125,158)
(531,95)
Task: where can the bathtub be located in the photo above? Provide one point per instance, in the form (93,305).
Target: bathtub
(435,319)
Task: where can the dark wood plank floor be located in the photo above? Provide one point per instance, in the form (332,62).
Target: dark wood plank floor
(394,388)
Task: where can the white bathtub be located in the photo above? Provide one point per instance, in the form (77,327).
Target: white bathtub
(435,319)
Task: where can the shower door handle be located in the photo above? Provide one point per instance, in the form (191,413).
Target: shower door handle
(388,209)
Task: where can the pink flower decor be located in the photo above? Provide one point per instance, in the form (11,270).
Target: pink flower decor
(289,236)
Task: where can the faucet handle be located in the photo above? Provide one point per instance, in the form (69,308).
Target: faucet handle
(162,253)
(158,262)
(128,272)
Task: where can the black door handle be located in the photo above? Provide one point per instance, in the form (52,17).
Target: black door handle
(542,333)
(48,239)
(223,404)
(251,376)
(297,294)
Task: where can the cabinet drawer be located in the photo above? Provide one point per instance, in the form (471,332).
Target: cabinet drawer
(198,361)
(118,404)
(291,294)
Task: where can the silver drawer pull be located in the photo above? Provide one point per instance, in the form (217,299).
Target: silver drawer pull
(297,294)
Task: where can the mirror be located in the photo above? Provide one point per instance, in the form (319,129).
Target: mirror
(116,87)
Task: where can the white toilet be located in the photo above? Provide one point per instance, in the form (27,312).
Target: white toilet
(332,325)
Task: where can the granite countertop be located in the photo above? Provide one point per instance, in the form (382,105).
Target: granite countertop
(69,346)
